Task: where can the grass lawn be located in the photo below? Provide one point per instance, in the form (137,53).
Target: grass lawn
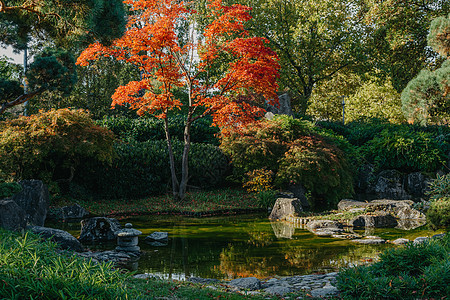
(198,203)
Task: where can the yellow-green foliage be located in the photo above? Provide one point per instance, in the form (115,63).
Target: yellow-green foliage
(365,97)
(50,145)
(259,180)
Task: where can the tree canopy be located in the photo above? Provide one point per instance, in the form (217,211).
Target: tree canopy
(314,40)
(61,25)
(426,98)
(221,68)
(63,21)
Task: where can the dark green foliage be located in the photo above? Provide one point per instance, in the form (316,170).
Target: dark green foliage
(410,272)
(31,269)
(63,22)
(10,89)
(145,129)
(142,169)
(405,150)
(297,155)
(402,147)
(7,189)
(357,132)
(52,70)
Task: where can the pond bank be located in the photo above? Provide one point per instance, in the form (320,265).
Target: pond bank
(315,285)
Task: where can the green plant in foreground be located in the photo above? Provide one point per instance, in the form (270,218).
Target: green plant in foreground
(30,269)
(33,269)
(410,272)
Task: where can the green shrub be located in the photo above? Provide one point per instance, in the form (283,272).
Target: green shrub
(152,129)
(295,154)
(438,215)
(405,150)
(358,132)
(7,189)
(31,269)
(410,272)
(51,145)
(440,187)
(142,169)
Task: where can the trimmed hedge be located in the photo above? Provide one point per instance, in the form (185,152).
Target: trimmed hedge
(142,169)
(152,129)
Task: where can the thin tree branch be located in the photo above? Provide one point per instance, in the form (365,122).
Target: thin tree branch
(19,100)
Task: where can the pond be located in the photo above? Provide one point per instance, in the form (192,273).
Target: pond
(243,246)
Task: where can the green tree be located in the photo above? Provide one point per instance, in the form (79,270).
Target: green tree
(313,39)
(366,96)
(51,70)
(93,90)
(426,98)
(398,44)
(62,24)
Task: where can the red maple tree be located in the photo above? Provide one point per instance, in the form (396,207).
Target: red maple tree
(218,64)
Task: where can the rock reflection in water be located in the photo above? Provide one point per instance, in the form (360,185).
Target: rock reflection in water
(283,230)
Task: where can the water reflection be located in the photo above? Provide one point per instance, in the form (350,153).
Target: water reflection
(242,246)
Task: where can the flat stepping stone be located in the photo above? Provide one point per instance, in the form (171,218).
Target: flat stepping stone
(278,290)
(327,291)
(249,283)
(401,241)
(369,241)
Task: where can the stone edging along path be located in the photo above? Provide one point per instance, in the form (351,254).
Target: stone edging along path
(315,285)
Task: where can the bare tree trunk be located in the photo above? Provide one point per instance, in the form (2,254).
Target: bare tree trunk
(185,159)
(175,184)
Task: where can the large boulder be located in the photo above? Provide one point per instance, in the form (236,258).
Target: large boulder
(285,207)
(64,239)
(72,212)
(299,191)
(417,184)
(348,204)
(378,219)
(389,184)
(320,224)
(12,216)
(99,229)
(325,227)
(409,213)
(248,283)
(34,199)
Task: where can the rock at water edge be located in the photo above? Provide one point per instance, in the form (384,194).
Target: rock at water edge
(99,229)
(285,207)
(248,283)
(64,239)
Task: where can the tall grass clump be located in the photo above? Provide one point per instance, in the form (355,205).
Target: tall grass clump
(32,269)
(420,271)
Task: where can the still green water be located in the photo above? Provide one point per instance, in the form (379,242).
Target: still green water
(245,245)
